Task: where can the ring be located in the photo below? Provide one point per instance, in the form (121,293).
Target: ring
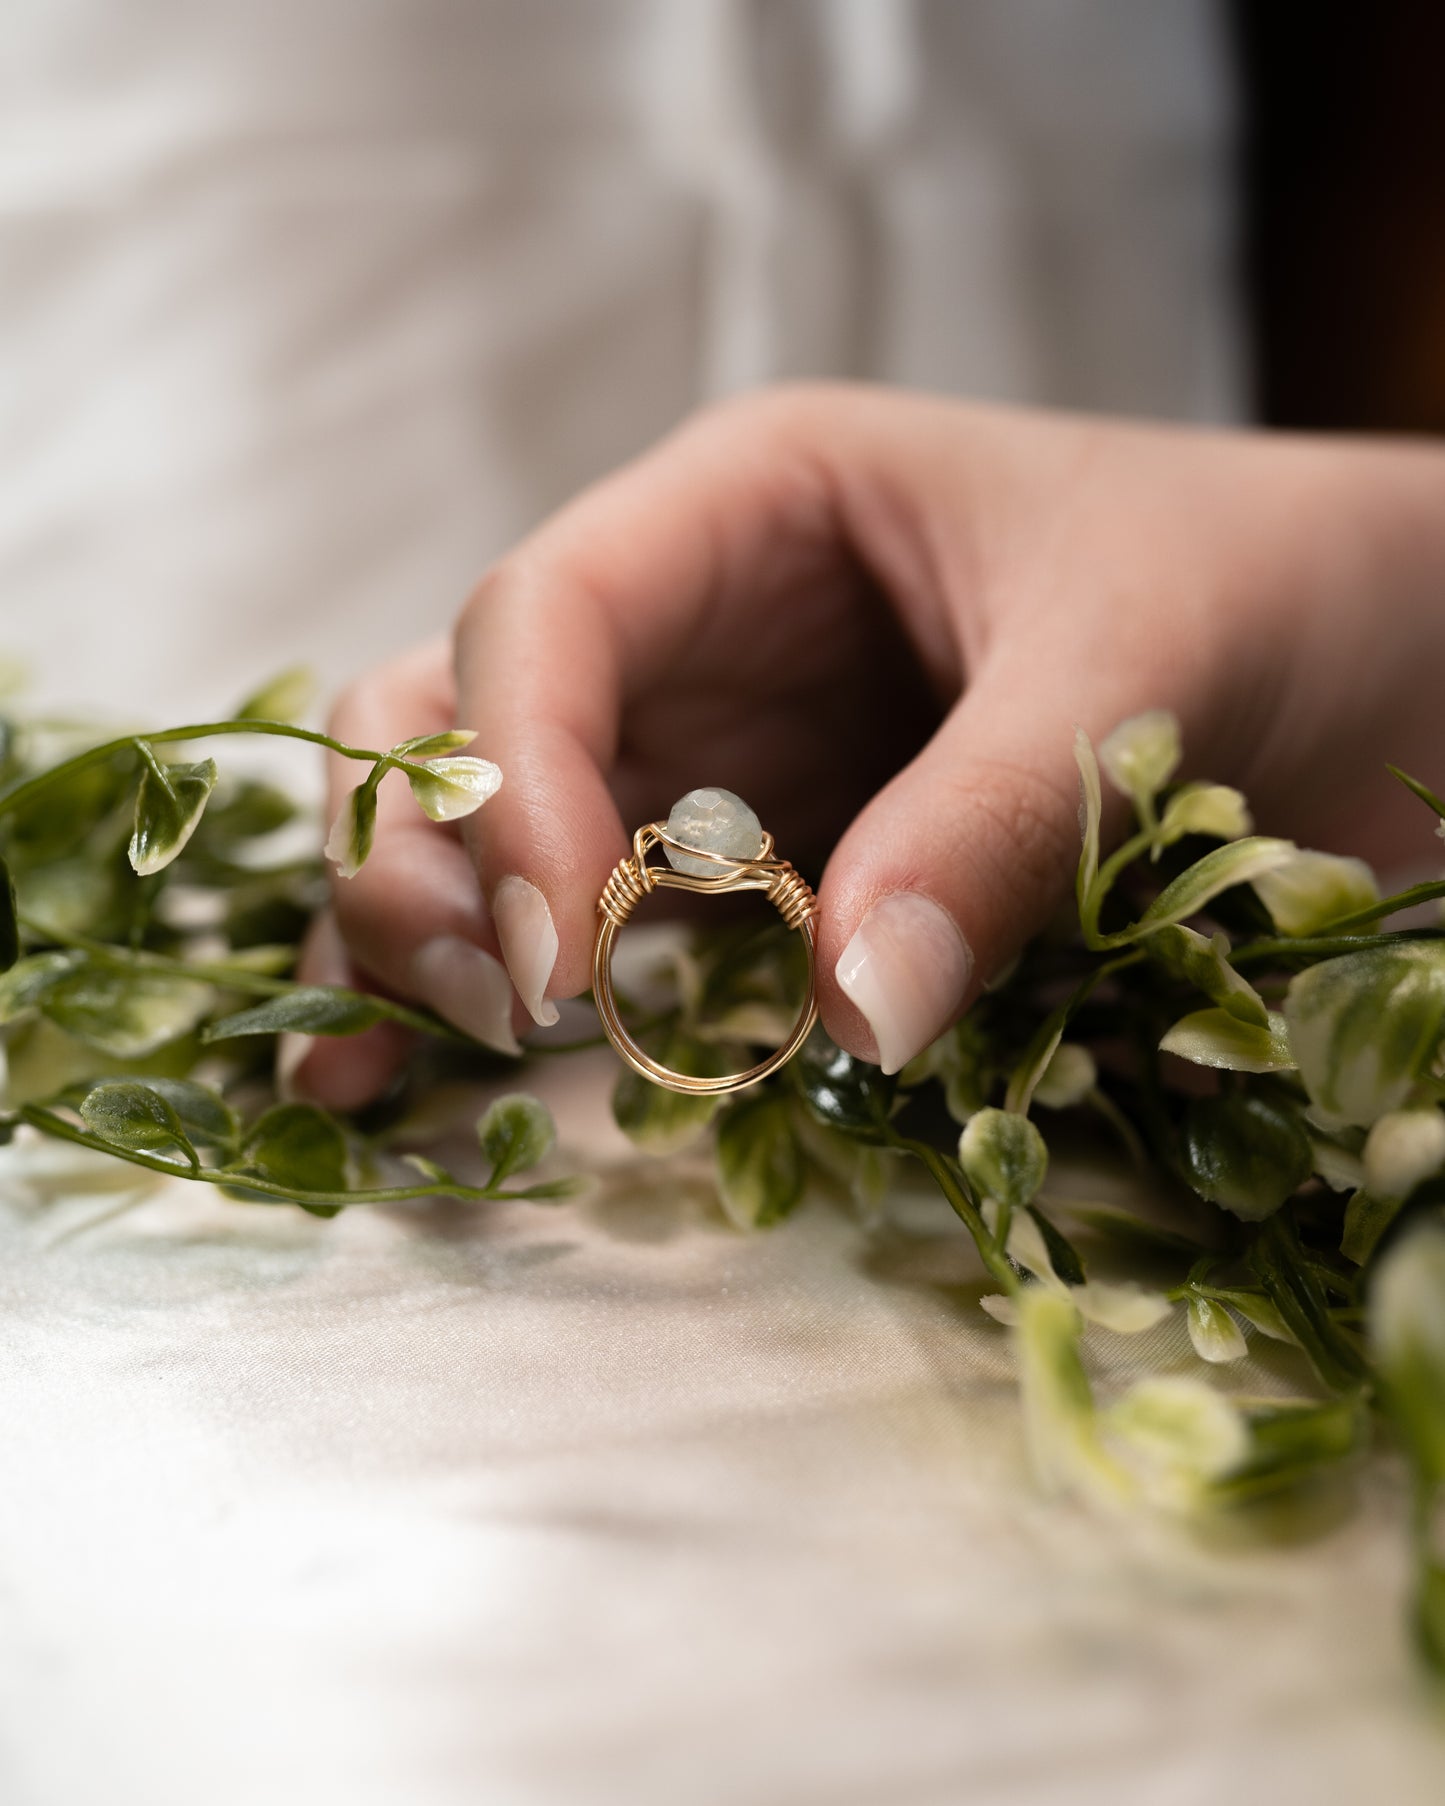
(714,844)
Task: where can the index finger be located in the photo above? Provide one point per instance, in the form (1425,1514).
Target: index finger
(573,630)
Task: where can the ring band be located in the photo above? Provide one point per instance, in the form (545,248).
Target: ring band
(633,879)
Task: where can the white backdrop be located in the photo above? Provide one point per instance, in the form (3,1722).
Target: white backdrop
(310,309)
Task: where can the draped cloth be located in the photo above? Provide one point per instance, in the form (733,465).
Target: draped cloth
(311,311)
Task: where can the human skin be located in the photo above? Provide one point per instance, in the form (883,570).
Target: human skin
(878,616)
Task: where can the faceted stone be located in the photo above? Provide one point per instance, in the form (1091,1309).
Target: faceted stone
(714,821)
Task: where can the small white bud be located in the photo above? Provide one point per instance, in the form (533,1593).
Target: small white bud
(1403,1148)
(1208,809)
(1068,1078)
(1142,753)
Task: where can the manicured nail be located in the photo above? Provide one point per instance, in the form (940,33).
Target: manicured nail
(529,943)
(468,987)
(291,1050)
(906,969)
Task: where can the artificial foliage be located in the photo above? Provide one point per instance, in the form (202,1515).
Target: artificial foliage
(1227,1015)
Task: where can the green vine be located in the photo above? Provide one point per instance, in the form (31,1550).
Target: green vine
(1234,1026)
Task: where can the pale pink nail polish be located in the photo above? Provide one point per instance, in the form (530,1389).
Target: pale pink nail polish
(463,983)
(529,943)
(907,969)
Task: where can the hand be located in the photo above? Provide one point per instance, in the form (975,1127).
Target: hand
(878,617)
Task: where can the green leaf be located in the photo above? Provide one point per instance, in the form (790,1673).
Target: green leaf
(860,1167)
(432,746)
(354,829)
(1205,964)
(308,1010)
(1291,1441)
(1427,1611)
(1058,1405)
(1122,1305)
(246,811)
(206,1117)
(1258,1310)
(168,807)
(1402,1150)
(552,1191)
(1068,1079)
(1216,1038)
(1182,1425)
(61,816)
(1141,755)
(286,697)
(448,789)
(760,1163)
(72,896)
(9,920)
(1238,863)
(1245,1154)
(1365,1028)
(844,1093)
(137,1117)
(1407,1329)
(516,1132)
(27,981)
(1367,1217)
(1214,1333)
(1214,809)
(1003,1156)
(296,1146)
(1295,1289)
(125,1014)
(660,1120)
(430,1170)
(1062,1255)
(1091,810)
(1310,891)
(1426,796)
(1136,1236)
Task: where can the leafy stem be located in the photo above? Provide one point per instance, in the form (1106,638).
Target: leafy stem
(31,787)
(1105,879)
(232,977)
(948,1176)
(51,1123)
(1292,1287)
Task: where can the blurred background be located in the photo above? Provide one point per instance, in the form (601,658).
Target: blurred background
(309,311)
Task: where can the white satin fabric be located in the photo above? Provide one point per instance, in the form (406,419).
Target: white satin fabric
(607,1503)
(308,310)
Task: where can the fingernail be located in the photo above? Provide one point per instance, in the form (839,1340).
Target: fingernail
(906,969)
(291,1050)
(468,987)
(529,943)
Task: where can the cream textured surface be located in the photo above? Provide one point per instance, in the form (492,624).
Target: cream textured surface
(609,1503)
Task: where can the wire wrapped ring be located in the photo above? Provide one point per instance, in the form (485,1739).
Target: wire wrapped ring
(633,879)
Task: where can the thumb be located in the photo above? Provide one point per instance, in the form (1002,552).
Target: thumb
(952,866)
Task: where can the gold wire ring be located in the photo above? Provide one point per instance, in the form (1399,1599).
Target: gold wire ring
(633,879)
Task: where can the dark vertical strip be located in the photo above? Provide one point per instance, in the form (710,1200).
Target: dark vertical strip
(1343,163)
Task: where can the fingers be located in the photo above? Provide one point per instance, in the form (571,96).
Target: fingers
(413,916)
(568,644)
(346,1071)
(963,856)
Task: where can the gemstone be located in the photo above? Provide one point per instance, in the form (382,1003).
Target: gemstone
(713,821)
